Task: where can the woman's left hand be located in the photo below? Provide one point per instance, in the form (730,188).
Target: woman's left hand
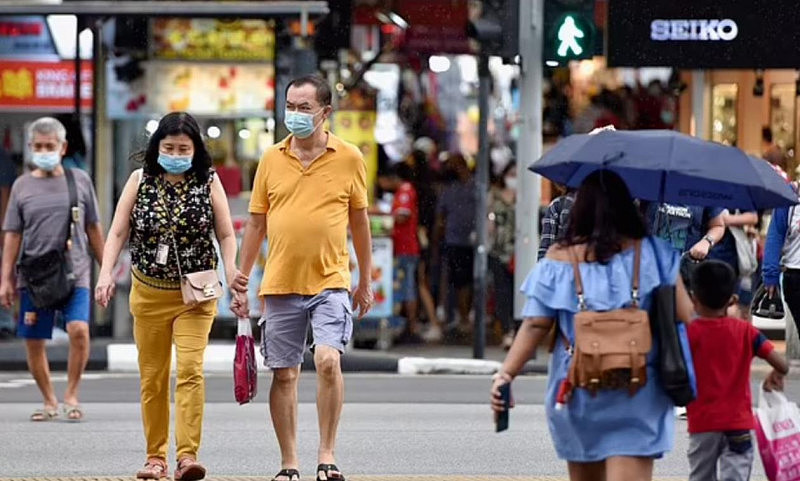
(237,281)
(500,378)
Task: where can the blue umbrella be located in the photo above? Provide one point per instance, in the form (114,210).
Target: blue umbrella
(667,166)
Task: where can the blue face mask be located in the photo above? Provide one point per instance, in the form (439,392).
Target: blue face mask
(300,124)
(47,161)
(175,164)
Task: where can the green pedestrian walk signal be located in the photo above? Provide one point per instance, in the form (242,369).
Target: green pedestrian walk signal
(569,31)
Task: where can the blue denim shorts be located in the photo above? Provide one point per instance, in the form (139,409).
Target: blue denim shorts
(38,323)
(405,278)
(287,318)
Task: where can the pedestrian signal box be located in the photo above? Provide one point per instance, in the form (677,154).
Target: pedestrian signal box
(569,31)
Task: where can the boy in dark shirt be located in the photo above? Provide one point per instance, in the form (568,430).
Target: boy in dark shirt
(721,418)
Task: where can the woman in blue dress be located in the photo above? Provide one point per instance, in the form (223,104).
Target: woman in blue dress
(612,436)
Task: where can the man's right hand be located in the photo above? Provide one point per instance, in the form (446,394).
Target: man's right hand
(239,304)
(7,294)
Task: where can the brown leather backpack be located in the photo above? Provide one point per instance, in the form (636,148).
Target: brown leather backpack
(611,347)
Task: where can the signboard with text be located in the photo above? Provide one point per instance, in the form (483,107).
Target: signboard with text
(26,37)
(43,86)
(703,34)
(212,39)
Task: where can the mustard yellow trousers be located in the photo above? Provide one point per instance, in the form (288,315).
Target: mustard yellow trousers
(160,318)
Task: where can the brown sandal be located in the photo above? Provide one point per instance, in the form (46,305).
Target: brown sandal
(154,468)
(189,470)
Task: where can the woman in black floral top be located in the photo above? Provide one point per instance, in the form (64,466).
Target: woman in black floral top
(168,211)
(502,205)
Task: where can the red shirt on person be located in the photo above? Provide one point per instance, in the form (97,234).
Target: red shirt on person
(723,350)
(404,235)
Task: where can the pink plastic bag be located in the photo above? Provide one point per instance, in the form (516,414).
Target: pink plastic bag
(778,436)
(245,373)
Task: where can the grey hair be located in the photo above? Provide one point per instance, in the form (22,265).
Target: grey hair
(47,126)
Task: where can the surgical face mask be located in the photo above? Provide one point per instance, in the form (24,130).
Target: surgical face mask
(175,164)
(46,161)
(511,182)
(300,124)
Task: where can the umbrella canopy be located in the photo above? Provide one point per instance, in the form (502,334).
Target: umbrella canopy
(667,166)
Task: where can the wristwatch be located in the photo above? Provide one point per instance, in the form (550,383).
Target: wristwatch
(709,239)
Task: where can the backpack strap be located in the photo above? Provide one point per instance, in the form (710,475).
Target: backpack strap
(74,213)
(637,260)
(573,257)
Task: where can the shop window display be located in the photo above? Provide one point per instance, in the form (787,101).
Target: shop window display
(724,121)
(782,117)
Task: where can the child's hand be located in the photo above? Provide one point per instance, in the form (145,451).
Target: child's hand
(774,381)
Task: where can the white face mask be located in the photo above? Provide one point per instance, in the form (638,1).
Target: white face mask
(511,182)
(46,161)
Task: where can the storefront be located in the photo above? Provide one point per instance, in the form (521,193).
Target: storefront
(744,64)
(37,78)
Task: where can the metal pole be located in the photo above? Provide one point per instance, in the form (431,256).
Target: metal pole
(77,110)
(481,221)
(529,144)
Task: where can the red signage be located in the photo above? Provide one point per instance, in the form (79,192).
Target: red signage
(43,85)
(436,26)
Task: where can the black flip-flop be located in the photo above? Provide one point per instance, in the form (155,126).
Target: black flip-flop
(326,469)
(289,473)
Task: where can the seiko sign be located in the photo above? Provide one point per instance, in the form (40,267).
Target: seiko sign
(694,30)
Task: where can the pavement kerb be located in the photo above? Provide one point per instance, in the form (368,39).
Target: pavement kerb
(219,359)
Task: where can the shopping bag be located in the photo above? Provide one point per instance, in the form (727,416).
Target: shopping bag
(778,434)
(245,373)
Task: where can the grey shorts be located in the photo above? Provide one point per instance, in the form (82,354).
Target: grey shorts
(726,456)
(286,319)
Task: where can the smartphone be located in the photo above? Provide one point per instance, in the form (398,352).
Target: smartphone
(501,418)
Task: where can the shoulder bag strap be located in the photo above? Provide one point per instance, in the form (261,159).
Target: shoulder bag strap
(573,257)
(637,260)
(74,212)
(159,187)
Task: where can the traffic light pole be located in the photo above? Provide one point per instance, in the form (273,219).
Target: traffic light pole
(529,143)
(481,221)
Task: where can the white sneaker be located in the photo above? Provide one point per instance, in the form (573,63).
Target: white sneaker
(680,413)
(432,334)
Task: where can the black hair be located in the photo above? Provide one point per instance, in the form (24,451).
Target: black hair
(766,134)
(324,95)
(713,284)
(603,216)
(177,123)
(403,171)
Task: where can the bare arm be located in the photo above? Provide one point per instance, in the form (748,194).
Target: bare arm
(716,230)
(362,243)
(683,303)
(94,232)
(12,244)
(716,227)
(223,228)
(531,333)
(117,237)
(120,226)
(740,220)
(778,362)
(254,233)
(5,193)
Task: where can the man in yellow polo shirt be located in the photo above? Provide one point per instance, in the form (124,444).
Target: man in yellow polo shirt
(307,190)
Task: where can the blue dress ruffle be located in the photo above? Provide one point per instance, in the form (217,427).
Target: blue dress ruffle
(612,423)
